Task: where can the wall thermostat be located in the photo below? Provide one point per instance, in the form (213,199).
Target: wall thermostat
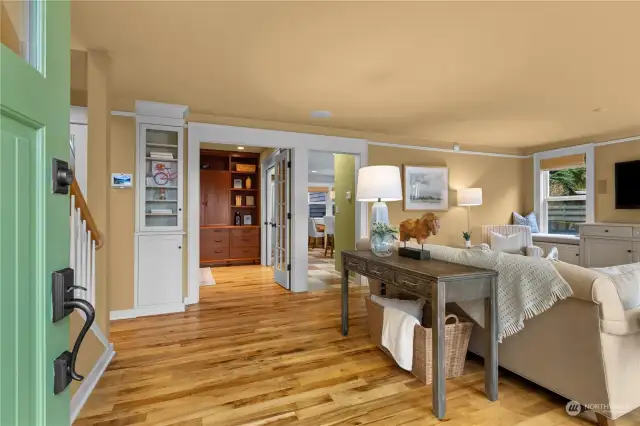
(121,180)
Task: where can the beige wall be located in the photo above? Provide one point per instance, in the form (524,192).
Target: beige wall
(606,156)
(99,117)
(122,214)
(501,179)
(345,178)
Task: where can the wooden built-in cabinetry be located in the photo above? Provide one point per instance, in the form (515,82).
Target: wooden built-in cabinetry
(221,197)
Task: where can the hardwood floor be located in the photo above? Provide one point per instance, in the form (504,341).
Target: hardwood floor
(253,354)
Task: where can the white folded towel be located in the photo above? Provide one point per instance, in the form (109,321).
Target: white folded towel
(397,336)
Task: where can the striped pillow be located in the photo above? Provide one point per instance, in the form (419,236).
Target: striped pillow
(530,220)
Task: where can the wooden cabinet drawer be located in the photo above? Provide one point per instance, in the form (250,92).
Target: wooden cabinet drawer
(244,252)
(245,241)
(412,283)
(244,232)
(382,272)
(607,231)
(354,264)
(214,253)
(213,237)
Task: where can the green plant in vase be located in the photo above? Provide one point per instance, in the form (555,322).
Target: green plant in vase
(467,238)
(383,237)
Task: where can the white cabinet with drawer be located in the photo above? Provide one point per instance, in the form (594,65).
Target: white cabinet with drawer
(567,253)
(609,244)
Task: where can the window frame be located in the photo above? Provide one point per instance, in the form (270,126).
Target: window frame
(541,184)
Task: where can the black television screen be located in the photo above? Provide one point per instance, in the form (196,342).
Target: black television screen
(628,185)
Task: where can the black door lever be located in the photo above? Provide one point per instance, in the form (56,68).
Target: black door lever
(63,304)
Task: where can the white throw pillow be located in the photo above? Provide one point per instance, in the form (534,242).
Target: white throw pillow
(507,244)
(411,307)
(627,281)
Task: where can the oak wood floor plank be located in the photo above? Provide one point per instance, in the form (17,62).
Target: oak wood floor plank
(252,354)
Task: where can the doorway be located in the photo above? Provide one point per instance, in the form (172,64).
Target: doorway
(298,145)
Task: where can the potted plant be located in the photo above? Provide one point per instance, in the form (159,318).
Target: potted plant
(467,238)
(383,237)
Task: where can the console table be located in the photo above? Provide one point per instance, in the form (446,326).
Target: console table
(441,282)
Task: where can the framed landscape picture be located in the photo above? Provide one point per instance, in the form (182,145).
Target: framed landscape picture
(425,188)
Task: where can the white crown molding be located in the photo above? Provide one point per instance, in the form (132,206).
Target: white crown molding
(89,383)
(158,109)
(450,151)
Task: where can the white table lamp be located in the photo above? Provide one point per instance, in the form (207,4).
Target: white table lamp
(469,197)
(379,184)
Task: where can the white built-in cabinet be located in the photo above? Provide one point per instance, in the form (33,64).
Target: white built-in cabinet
(609,244)
(160,235)
(568,253)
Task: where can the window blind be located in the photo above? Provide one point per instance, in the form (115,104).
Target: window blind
(565,162)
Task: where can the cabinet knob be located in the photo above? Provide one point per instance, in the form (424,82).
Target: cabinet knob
(629,251)
(179,247)
(606,230)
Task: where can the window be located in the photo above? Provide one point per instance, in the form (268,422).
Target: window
(564,186)
(317,204)
(565,200)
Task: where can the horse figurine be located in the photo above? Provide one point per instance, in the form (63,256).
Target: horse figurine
(420,229)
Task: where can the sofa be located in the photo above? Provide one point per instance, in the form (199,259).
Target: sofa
(585,348)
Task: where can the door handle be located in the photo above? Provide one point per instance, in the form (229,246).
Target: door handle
(64,366)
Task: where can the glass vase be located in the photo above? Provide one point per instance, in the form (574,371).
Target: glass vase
(382,246)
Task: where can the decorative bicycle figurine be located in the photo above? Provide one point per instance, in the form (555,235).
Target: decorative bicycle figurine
(163,175)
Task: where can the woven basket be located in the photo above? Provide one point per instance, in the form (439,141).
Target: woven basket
(246,168)
(456,342)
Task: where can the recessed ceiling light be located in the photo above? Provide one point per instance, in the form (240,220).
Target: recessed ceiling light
(314,171)
(321,114)
(241,147)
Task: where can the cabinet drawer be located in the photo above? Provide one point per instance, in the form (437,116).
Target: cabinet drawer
(636,232)
(244,252)
(413,283)
(607,231)
(212,237)
(382,272)
(244,232)
(354,264)
(214,253)
(245,241)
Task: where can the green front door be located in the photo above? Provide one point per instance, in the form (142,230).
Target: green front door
(34,222)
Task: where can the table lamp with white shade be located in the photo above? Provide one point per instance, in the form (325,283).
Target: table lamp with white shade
(469,197)
(379,184)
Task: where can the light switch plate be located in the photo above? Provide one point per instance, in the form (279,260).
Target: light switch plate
(348,195)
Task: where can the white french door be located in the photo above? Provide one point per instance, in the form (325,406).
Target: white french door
(282,219)
(270,223)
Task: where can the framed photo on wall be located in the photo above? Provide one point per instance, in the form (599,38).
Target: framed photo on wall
(425,188)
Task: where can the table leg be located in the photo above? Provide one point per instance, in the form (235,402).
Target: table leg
(491,356)
(437,308)
(345,300)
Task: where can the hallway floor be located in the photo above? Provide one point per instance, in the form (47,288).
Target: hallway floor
(252,353)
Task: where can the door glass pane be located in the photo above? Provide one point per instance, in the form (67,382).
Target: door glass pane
(17,27)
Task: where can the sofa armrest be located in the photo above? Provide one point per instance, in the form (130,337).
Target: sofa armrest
(592,286)
(534,251)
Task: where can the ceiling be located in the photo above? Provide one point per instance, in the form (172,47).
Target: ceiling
(227,147)
(500,74)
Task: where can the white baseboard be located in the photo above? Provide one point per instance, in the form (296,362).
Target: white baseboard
(89,383)
(144,311)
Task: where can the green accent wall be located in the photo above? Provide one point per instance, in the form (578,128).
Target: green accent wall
(345,181)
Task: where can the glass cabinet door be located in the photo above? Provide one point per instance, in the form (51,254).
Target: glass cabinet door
(162,202)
